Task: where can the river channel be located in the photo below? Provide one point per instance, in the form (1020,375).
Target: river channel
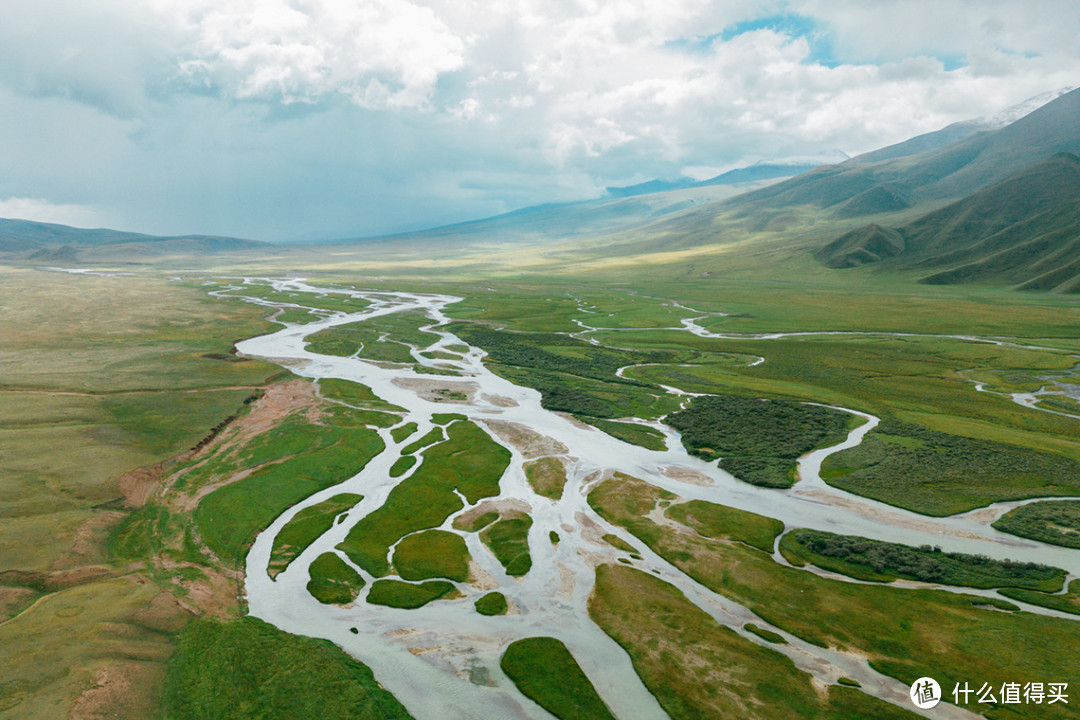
(442,660)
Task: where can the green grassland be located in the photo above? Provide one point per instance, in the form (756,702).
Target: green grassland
(1056,522)
(432,554)
(757,440)
(646,437)
(305,527)
(332,581)
(547,476)
(101,376)
(355,394)
(546,673)
(430,438)
(468,461)
(697,668)
(386,338)
(247,669)
(230,517)
(882,562)
(333,301)
(508,540)
(940,474)
(402,465)
(905,633)
(407,596)
(719,521)
(403,431)
(1068,602)
(475,523)
(493,603)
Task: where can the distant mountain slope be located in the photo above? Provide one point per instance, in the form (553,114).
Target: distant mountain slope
(1022,231)
(947,172)
(542,224)
(960,130)
(751,173)
(26,240)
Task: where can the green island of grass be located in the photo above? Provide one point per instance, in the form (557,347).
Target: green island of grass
(230,517)
(468,461)
(720,521)
(474,521)
(547,476)
(432,554)
(757,440)
(718,673)
(765,634)
(546,673)
(494,603)
(432,436)
(879,561)
(907,633)
(403,431)
(1056,522)
(305,527)
(509,541)
(355,394)
(1067,602)
(646,437)
(332,581)
(402,465)
(398,594)
(938,473)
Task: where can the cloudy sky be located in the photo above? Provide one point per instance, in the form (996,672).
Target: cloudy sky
(278,119)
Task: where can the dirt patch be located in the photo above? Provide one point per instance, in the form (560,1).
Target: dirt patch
(89,545)
(267,410)
(13,600)
(480,578)
(528,442)
(575,422)
(138,484)
(506,508)
(686,475)
(499,401)
(440,391)
(53,581)
(164,614)
(123,690)
(566,582)
(547,476)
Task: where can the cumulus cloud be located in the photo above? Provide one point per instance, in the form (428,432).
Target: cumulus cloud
(378,53)
(265,117)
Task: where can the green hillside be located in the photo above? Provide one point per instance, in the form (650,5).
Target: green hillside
(1022,231)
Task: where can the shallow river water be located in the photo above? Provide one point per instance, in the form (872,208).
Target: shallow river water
(441,661)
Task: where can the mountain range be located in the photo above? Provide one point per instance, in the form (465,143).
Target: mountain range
(993,201)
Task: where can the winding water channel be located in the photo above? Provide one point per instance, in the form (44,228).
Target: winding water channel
(442,660)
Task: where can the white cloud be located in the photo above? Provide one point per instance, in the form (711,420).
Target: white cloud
(39,210)
(264,114)
(379,53)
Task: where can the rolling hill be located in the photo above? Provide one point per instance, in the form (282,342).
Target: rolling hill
(1023,231)
(49,243)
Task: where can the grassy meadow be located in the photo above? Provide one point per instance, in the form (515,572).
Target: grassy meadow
(139,456)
